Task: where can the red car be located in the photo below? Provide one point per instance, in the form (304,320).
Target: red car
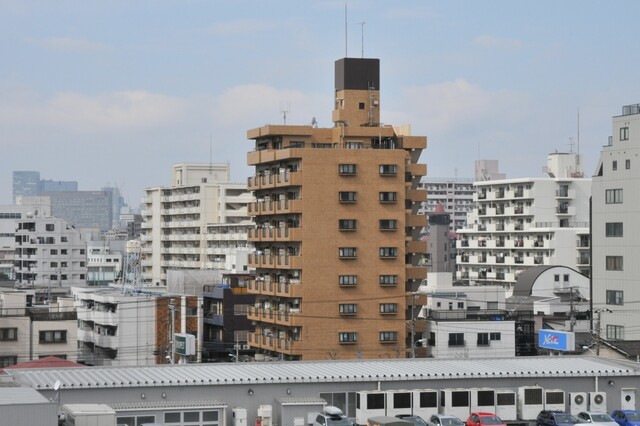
(484,419)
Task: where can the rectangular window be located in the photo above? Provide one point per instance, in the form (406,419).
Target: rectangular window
(627,164)
(388,169)
(348,309)
(388,336)
(388,279)
(615,297)
(65,252)
(347,224)
(347,169)
(624,133)
(614,263)
(613,229)
(456,339)
(8,360)
(388,252)
(347,252)
(347,196)
(388,224)
(613,196)
(348,337)
(347,280)
(388,197)
(54,264)
(8,334)
(614,165)
(615,332)
(388,308)
(53,336)
(495,336)
(49,227)
(566,278)
(483,339)
(556,278)
(64,240)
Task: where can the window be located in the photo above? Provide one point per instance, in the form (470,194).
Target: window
(54,252)
(347,252)
(483,339)
(347,280)
(624,133)
(613,229)
(613,196)
(361,105)
(348,309)
(388,252)
(49,227)
(64,240)
(347,224)
(388,279)
(627,164)
(615,297)
(614,263)
(556,278)
(388,308)
(614,165)
(388,169)
(347,169)
(615,332)
(348,337)
(456,339)
(388,336)
(54,264)
(495,336)
(388,224)
(63,264)
(8,360)
(347,197)
(388,197)
(566,278)
(63,252)
(8,334)
(53,336)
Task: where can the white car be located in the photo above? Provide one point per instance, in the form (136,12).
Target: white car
(332,416)
(596,417)
(444,420)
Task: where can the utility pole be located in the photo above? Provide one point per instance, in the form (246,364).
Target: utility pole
(173,328)
(598,328)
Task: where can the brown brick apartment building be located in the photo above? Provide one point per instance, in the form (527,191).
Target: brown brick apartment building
(337,247)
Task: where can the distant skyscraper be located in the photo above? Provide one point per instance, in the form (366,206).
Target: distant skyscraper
(26,183)
(58,185)
(488,170)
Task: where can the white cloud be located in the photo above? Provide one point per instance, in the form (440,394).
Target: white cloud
(490,42)
(68,44)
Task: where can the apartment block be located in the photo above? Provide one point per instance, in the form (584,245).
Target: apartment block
(518,223)
(616,228)
(49,253)
(454,194)
(337,229)
(178,229)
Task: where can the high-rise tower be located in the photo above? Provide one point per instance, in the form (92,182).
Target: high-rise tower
(337,246)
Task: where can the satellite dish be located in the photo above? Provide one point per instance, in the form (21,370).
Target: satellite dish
(56,385)
(314,122)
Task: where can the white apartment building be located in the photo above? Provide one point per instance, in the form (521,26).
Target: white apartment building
(518,223)
(49,253)
(177,221)
(29,332)
(104,265)
(616,231)
(9,216)
(454,194)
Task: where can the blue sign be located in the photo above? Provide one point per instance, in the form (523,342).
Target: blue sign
(556,340)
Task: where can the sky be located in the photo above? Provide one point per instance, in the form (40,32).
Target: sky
(113,93)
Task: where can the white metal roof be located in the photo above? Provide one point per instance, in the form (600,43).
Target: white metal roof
(20,396)
(323,371)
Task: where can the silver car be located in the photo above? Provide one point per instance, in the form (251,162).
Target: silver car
(444,420)
(597,417)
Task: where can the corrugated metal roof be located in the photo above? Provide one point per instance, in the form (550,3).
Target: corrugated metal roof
(322,371)
(15,396)
(131,406)
(304,400)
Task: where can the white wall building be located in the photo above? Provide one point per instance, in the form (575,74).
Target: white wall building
(104,265)
(616,231)
(518,223)
(49,253)
(177,221)
(31,332)
(455,194)
(9,217)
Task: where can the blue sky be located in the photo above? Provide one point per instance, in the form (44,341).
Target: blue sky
(117,92)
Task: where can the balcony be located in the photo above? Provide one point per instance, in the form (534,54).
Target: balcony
(272,343)
(275,261)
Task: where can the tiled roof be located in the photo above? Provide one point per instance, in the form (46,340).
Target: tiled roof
(47,362)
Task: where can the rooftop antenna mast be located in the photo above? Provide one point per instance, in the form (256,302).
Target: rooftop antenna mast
(210,154)
(285,112)
(362,36)
(345,30)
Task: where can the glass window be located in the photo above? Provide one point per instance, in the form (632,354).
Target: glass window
(615,297)
(388,197)
(348,308)
(456,339)
(53,336)
(347,252)
(388,336)
(347,196)
(614,263)
(627,164)
(483,339)
(388,279)
(347,280)
(613,229)
(388,252)
(347,224)
(388,224)
(615,332)
(388,308)
(624,133)
(614,165)
(191,416)
(8,334)
(348,337)
(613,196)
(388,169)
(495,336)
(347,169)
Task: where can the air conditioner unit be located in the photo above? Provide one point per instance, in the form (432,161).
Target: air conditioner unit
(506,407)
(425,402)
(554,400)
(370,404)
(455,402)
(577,402)
(399,402)
(598,401)
(530,402)
(483,399)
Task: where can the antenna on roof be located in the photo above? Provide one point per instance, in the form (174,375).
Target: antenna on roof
(210,154)
(362,35)
(345,30)
(285,112)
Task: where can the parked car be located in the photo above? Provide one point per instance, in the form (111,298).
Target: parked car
(332,416)
(557,418)
(416,420)
(602,419)
(626,417)
(484,419)
(444,420)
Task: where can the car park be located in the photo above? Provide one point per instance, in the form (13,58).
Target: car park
(484,419)
(332,416)
(596,417)
(416,420)
(444,420)
(626,417)
(556,418)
